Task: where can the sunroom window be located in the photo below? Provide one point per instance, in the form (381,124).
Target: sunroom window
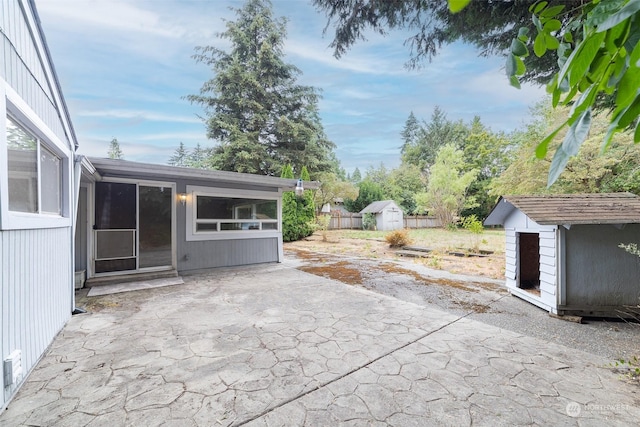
(35,173)
(220,214)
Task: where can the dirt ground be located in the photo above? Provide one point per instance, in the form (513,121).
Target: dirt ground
(371,264)
(488,266)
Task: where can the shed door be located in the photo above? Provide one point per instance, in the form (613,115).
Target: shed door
(529,261)
(133,227)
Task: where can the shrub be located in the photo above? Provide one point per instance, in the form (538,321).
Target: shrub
(322,222)
(473,224)
(398,238)
(369,221)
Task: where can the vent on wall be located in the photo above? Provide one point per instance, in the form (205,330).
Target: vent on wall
(12,367)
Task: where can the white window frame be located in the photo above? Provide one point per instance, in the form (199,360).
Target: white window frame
(191,221)
(14,107)
(92,240)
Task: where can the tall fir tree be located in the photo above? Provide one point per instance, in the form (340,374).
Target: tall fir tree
(115,152)
(260,116)
(197,158)
(179,157)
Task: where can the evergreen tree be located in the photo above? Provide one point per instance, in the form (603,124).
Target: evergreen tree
(438,132)
(114,150)
(490,154)
(411,132)
(356,177)
(298,213)
(368,192)
(488,25)
(179,157)
(197,158)
(261,117)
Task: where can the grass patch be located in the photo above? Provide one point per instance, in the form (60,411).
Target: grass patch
(436,238)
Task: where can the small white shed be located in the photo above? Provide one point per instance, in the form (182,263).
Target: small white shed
(388,215)
(563,255)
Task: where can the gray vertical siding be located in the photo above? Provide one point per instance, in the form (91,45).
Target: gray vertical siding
(36,292)
(200,255)
(598,272)
(21,65)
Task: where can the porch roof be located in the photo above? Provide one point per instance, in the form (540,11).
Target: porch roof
(569,209)
(126,169)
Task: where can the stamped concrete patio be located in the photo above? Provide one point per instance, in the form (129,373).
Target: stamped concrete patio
(273,346)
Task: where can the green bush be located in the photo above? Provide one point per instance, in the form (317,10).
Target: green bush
(473,224)
(298,213)
(369,221)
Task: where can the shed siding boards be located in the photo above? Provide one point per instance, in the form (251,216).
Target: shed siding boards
(515,223)
(35,279)
(581,268)
(24,65)
(601,273)
(389,216)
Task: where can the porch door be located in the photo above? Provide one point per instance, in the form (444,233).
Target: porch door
(132,227)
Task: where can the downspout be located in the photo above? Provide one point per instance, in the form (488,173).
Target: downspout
(77,173)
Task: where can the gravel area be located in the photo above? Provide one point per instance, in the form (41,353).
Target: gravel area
(478,298)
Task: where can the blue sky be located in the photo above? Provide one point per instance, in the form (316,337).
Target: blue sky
(125,65)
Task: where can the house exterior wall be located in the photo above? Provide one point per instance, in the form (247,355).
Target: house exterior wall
(36,256)
(36,287)
(599,274)
(204,254)
(21,67)
(517,222)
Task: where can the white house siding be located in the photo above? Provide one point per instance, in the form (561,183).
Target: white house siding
(23,64)
(35,280)
(36,263)
(599,273)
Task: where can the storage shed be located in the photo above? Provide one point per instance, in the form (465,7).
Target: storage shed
(388,215)
(563,254)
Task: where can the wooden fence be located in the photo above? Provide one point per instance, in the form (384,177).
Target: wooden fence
(353,221)
(342,221)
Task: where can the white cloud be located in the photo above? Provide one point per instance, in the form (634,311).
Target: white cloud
(112,15)
(140,115)
(174,136)
(355,62)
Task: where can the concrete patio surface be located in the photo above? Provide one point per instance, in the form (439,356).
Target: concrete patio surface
(274,346)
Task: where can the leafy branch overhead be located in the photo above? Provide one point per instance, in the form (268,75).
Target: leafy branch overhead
(598,56)
(587,49)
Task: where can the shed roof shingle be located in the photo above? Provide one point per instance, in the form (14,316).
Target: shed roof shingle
(603,208)
(379,206)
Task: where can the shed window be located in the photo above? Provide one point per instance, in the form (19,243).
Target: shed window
(35,173)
